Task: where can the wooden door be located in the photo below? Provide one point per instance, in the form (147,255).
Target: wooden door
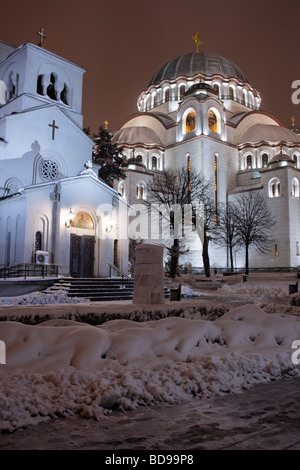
(82,256)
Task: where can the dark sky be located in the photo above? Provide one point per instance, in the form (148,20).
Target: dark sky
(122,44)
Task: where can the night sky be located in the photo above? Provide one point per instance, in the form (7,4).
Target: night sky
(121,44)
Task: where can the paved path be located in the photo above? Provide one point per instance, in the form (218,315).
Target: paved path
(266,417)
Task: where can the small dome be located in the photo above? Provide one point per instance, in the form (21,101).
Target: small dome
(136,135)
(281,157)
(270,133)
(189,65)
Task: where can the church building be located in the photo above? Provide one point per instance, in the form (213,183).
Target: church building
(52,203)
(200,111)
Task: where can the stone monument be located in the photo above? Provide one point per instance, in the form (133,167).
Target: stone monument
(149,275)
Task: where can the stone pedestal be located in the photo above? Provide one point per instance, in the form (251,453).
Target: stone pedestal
(149,275)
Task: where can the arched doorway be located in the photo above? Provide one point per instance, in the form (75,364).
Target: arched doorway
(82,245)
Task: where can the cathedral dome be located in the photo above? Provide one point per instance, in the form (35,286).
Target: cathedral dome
(189,65)
(136,135)
(269,132)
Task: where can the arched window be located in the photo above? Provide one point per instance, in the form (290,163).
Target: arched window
(213,122)
(190,121)
(181,92)
(249,161)
(51,91)
(231,94)
(121,189)
(140,190)
(296,160)
(274,187)
(167,95)
(38,240)
(217,89)
(295,187)
(155,101)
(154,163)
(264,160)
(139,158)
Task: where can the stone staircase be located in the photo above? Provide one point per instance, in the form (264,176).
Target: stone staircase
(96,289)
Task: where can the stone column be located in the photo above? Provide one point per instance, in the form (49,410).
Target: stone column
(149,275)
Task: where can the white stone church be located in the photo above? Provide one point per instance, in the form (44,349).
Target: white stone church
(200,110)
(51,200)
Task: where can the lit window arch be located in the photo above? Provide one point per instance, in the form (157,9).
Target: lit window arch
(166,95)
(189,120)
(217,88)
(181,92)
(122,189)
(154,162)
(141,190)
(213,120)
(231,93)
(264,160)
(274,188)
(295,187)
(296,158)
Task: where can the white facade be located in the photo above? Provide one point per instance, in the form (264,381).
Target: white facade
(44,170)
(202,107)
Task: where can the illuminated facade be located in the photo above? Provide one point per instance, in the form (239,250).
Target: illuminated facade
(50,197)
(200,111)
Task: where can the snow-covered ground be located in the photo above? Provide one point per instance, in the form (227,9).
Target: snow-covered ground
(62,367)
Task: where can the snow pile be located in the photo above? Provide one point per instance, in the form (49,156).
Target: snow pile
(61,367)
(42,298)
(187,291)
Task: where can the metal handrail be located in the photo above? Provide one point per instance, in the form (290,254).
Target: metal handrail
(112,266)
(28,269)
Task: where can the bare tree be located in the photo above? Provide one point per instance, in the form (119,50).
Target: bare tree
(179,188)
(254,223)
(226,231)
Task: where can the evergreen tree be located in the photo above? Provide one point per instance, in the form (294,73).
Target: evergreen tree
(108,156)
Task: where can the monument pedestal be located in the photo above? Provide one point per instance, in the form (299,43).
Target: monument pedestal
(149,275)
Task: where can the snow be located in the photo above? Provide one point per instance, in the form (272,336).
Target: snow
(61,367)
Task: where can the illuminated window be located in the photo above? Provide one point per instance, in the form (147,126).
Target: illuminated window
(216,190)
(189,174)
(155,101)
(231,94)
(264,160)
(190,121)
(216,88)
(249,162)
(276,250)
(274,187)
(212,121)
(167,95)
(181,92)
(154,163)
(295,187)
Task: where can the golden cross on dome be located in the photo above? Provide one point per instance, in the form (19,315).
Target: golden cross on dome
(293,120)
(42,36)
(106,124)
(201,76)
(197,41)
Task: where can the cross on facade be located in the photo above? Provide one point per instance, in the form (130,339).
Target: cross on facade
(42,36)
(106,124)
(53,129)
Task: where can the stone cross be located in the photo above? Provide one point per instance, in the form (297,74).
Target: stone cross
(53,129)
(42,36)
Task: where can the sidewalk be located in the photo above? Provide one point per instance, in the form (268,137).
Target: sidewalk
(266,417)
